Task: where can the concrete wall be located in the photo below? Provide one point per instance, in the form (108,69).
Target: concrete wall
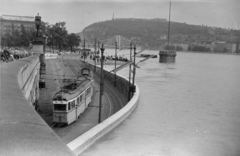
(28,77)
(22,131)
(122,83)
(87,139)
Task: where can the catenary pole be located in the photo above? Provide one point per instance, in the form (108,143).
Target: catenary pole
(101,84)
(84,49)
(134,66)
(130,71)
(95,48)
(169,24)
(115,77)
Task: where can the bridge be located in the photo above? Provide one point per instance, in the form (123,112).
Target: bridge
(122,42)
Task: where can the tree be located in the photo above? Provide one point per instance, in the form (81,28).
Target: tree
(179,48)
(73,40)
(225,50)
(169,47)
(189,48)
(18,37)
(24,40)
(58,34)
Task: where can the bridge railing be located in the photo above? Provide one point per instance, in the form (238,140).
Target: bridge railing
(22,130)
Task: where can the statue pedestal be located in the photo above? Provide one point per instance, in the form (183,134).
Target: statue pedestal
(38,49)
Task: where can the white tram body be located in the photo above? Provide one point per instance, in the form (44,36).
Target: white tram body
(73,99)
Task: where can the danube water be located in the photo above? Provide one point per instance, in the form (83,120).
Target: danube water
(187,108)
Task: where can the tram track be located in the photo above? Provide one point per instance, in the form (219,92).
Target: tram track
(116,101)
(113,99)
(111,102)
(75,64)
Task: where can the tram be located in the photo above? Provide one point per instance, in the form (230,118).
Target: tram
(73,98)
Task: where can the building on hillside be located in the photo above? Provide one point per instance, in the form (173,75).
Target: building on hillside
(10,22)
(225,47)
(160,19)
(217,46)
(211,31)
(163,37)
(184,46)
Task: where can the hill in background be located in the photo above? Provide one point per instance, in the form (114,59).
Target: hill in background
(152,33)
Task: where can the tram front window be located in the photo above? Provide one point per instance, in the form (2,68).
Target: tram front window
(60,107)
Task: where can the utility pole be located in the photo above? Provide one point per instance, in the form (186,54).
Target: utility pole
(95,48)
(134,66)
(101,84)
(130,71)
(115,77)
(79,45)
(84,49)
(98,49)
(169,25)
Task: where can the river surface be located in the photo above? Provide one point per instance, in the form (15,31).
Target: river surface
(187,108)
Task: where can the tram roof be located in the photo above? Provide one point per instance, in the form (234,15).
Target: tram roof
(73,89)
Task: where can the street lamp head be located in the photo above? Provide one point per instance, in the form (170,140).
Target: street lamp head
(38,21)
(102,48)
(134,47)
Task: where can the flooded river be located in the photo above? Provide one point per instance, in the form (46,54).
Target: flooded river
(187,108)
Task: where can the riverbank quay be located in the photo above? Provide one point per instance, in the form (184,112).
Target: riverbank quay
(199,52)
(57,70)
(90,137)
(22,131)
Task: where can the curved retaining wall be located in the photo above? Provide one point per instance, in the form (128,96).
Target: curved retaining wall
(22,131)
(87,139)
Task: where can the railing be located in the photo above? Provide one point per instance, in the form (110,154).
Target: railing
(22,130)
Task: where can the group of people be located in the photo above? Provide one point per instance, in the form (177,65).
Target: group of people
(6,56)
(9,54)
(120,58)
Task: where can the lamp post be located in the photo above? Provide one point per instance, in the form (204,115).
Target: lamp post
(134,67)
(38,23)
(130,71)
(115,78)
(95,48)
(84,49)
(45,43)
(101,84)
(38,47)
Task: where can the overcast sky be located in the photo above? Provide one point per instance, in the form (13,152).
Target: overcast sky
(80,13)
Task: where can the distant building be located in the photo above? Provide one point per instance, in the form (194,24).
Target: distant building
(163,37)
(160,19)
(211,31)
(183,46)
(9,22)
(225,47)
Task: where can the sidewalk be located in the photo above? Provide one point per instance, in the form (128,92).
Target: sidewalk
(106,62)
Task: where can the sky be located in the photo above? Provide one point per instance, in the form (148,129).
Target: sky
(78,14)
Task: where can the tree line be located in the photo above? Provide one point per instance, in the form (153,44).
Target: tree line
(148,33)
(55,35)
